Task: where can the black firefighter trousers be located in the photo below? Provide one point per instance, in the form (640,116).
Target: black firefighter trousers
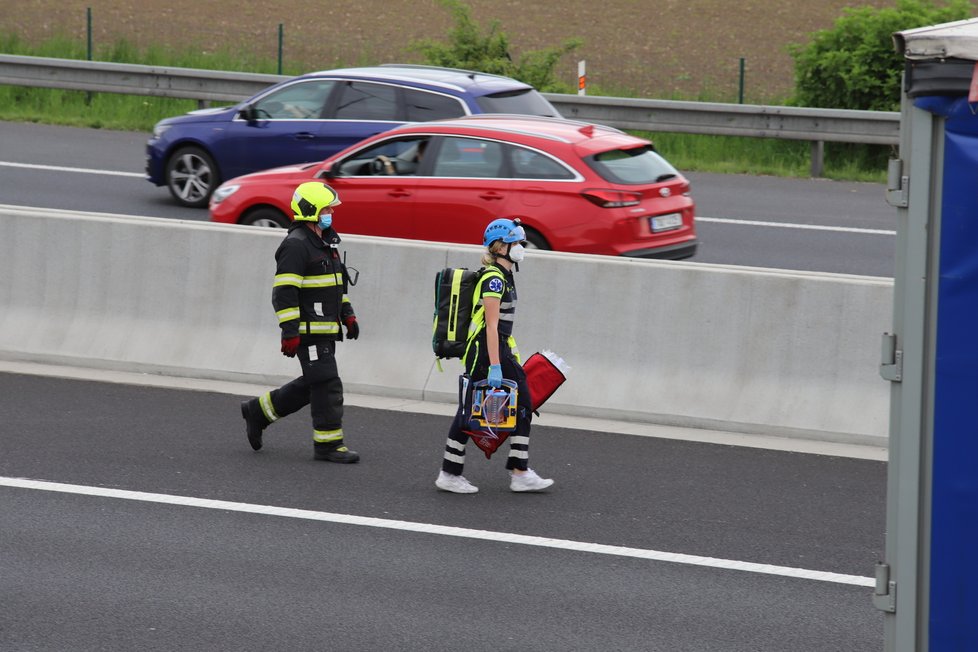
(319,386)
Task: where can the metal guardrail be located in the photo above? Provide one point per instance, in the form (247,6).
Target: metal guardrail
(132,79)
(817,126)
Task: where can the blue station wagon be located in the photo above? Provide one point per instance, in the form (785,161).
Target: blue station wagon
(311,117)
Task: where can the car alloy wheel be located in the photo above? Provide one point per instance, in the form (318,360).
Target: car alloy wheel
(267,217)
(191,176)
(534,240)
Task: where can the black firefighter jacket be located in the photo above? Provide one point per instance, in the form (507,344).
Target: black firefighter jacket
(309,293)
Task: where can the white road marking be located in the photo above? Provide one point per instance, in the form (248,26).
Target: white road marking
(790,225)
(61,168)
(444,530)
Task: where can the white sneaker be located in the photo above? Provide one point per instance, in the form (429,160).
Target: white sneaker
(457,484)
(528,481)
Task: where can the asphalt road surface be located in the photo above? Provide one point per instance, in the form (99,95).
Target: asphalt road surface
(771,222)
(138,518)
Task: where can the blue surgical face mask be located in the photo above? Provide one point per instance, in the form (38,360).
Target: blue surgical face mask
(325,220)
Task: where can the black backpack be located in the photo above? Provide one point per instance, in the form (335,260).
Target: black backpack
(455,301)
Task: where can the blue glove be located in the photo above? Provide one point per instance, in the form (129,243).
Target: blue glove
(495,376)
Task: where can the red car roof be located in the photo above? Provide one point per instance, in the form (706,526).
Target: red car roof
(586,136)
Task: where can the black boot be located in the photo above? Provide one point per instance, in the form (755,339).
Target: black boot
(335,451)
(255,422)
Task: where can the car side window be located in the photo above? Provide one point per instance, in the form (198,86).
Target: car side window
(528,164)
(423,106)
(299,101)
(395,157)
(366,101)
(468,157)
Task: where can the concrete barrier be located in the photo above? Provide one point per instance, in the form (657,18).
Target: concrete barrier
(674,343)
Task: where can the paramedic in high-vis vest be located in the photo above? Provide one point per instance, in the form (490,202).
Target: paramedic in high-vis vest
(309,297)
(491,354)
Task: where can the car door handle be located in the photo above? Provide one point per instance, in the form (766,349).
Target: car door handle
(398,192)
(491,195)
(305,135)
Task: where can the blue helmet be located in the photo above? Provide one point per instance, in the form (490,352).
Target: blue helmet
(503,229)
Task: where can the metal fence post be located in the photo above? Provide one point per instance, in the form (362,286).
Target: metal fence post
(740,93)
(281,32)
(88,31)
(88,41)
(818,157)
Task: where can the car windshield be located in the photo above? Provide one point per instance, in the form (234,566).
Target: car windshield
(637,165)
(525,101)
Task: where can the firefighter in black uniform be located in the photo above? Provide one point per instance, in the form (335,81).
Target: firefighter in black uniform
(309,297)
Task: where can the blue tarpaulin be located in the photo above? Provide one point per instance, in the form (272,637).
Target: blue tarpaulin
(954,524)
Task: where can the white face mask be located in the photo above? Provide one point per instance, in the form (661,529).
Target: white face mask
(516,253)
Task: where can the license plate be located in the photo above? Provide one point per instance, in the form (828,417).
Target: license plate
(666,222)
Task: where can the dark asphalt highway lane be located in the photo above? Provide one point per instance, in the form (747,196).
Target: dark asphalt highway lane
(113,574)
(85,574)
(693,498)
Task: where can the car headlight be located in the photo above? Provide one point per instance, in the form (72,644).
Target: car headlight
(223,192)
(159,129)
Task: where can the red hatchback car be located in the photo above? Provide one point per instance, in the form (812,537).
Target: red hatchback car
(575,186)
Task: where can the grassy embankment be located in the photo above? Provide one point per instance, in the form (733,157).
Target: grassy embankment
(722,154)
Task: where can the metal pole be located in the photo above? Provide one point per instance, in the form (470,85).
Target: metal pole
(88,39)
(280,40)
(818,158)
(740,94)
(88,31)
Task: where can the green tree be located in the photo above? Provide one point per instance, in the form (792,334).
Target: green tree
(471,49)
(854,65)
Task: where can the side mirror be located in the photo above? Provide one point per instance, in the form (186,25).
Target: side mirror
(326,172)
(248,113)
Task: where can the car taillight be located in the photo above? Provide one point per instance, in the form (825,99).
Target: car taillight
(611,198)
